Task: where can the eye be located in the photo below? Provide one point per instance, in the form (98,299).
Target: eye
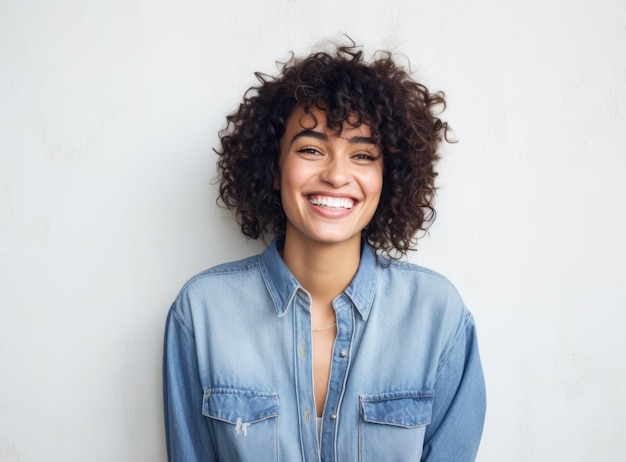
(364,157)
(309,151)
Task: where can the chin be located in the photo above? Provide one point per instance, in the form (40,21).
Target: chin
(333,237)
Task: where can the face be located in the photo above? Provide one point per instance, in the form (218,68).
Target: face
(330,184)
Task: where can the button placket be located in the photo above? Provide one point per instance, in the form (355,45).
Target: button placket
(345,325)
(304,370)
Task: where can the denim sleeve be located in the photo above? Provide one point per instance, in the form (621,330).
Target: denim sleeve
(459,403)
(186,431)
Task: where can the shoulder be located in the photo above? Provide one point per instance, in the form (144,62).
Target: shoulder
(217,282)
(437,302)
(222,272)
(423,295)
(414,277)
(412,268)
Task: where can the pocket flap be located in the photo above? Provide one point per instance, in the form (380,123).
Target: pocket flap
(236,406)
(404,409)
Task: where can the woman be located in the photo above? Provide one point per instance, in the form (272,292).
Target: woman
(326,346)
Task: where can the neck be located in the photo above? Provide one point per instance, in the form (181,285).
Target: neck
(324,270)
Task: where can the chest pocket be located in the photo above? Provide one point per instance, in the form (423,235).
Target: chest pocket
(392,425)
(244,422)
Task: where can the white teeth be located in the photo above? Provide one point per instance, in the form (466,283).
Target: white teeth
(332,202)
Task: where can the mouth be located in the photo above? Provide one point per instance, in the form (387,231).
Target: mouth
(331,202)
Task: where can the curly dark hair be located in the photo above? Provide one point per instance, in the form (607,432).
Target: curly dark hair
(402,116)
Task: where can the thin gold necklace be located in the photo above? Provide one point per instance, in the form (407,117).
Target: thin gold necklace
(323,328)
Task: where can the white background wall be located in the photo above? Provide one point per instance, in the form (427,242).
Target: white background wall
(108,113)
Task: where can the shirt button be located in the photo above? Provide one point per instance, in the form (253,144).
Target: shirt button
(343,354)
(333,417)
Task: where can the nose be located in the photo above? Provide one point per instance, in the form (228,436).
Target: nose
(337,174)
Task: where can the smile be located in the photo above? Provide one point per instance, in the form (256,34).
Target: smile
(332,202)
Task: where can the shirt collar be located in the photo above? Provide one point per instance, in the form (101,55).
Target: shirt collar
(283,286)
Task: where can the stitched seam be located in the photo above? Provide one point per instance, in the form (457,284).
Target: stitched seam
(455,342)
(178,317)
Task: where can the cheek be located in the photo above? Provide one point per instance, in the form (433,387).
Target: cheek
(292,178)
(375,184)
(288,186)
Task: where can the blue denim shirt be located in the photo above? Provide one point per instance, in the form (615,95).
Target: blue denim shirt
(406,382)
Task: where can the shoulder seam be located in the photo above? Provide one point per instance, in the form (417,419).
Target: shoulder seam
(179,318)
(455,342)
(222,270)
(408,266)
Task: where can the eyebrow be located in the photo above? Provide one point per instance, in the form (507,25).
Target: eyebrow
(324,137)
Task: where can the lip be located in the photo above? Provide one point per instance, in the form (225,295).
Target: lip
(331,212)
